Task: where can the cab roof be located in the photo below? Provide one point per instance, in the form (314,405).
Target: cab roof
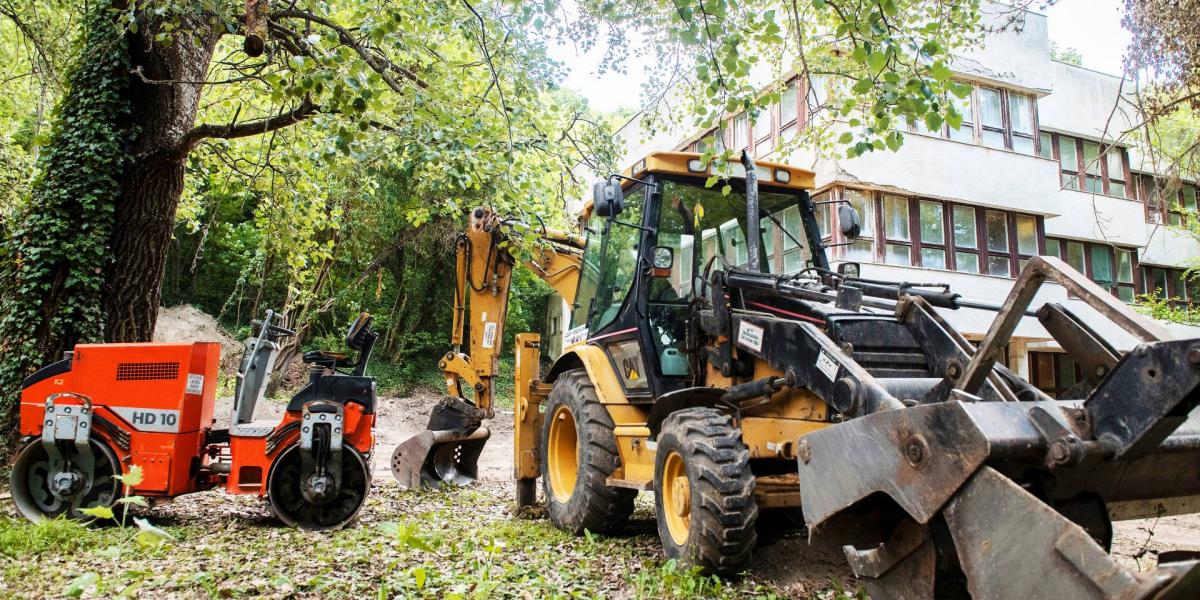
(770,174)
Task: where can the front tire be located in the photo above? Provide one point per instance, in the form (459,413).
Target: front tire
(704,491)
(579,453)
(30,485)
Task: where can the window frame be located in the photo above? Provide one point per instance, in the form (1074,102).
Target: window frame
(1176,213)
(1088,268)
(1186,298)
(973,121)
(877,234)
(1079,171)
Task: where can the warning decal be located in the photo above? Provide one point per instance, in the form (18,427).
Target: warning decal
(750,336)
(489,335)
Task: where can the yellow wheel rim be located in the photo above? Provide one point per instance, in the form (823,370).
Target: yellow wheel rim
(562,454)
(676,498)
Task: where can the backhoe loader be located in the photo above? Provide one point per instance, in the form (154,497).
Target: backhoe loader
(716,360)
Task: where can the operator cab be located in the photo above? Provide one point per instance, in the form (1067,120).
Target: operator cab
(656,234)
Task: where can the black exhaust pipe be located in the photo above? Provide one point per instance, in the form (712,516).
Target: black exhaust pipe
(753,231)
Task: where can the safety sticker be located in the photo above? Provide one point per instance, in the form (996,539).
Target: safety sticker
(195,383)
(750,336)
(575,335)
(489,335)
(827,365)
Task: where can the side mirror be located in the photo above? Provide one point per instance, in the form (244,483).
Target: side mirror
(850,221)
(849,269)
(662,259)
(607,199)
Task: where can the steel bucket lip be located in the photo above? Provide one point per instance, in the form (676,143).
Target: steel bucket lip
(413,460)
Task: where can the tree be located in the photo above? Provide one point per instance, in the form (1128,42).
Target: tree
(432,87)
(1070,56)
(456,94)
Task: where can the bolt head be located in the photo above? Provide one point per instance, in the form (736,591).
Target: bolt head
(1193,356)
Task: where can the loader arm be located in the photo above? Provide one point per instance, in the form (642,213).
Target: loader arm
(447,450)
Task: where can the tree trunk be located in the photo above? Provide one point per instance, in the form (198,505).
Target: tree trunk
(165,98)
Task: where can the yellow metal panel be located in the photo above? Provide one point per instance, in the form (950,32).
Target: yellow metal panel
(527,414)
(676,163)
(601,373)
(773,437)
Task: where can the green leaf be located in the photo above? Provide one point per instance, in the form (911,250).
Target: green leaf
(134,500)
(939,71)
(862,86)
(954,119)
(933,121)
(846,138)
(80,584)
(100,512)
(877,60)
(133,477)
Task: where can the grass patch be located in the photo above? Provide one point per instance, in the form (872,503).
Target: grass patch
(456,543)
(23,539)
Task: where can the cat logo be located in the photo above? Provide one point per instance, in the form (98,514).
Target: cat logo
(632,375)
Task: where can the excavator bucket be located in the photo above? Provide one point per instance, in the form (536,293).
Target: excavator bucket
(447,452)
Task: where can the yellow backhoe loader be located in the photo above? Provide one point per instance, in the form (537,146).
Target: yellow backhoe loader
(715,359)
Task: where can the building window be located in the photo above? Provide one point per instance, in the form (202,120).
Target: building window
(1111,267)
(1053,372)
(942,235)
(1168,283)
(740,132)
(862,249)
(898,249)
(761,133)
(991,118)
(1007,120)
(1173,204)
(1020,117)
(790,113)
(774,123)
(1084,167)
(966,244)
(932,229)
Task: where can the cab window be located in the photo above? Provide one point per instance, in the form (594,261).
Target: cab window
(691,211)
(609,264)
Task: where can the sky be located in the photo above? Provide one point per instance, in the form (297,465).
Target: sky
(1093,27)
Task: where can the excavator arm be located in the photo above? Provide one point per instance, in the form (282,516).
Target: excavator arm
(447,451)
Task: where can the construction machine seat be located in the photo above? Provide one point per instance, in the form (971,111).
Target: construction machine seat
(359,331)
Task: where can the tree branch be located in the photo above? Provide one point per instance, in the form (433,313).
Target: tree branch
(238,130)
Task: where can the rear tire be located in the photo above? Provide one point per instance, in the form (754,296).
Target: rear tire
(704,491)
(579,452)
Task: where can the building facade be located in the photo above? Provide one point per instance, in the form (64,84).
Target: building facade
(1038,168)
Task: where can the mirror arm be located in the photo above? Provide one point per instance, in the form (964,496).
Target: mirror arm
(618,176)
(646,229)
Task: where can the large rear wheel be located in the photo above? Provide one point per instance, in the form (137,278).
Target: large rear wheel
(32,480)
(579,452)
(704,491)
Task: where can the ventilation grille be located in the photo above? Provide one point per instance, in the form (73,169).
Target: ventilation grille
(147,371)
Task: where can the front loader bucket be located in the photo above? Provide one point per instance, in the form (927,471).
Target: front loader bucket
(447,452)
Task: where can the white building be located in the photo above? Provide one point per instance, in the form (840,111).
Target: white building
(1033,170)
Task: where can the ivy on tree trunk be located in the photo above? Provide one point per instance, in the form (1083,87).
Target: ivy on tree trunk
(57,251)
